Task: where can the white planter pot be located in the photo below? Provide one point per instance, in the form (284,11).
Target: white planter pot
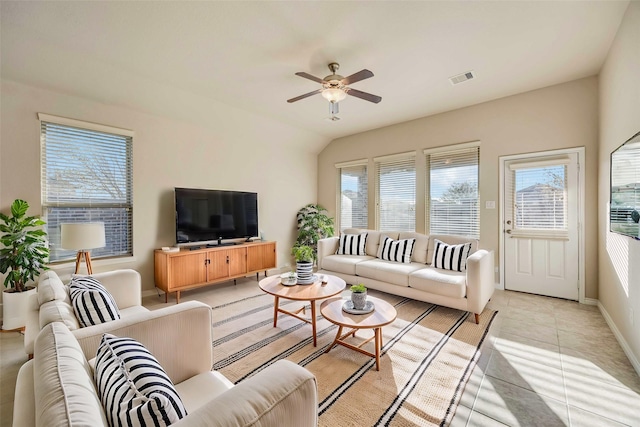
(359,300)
(14,308)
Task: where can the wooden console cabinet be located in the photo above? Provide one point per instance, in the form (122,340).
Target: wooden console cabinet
(190,269)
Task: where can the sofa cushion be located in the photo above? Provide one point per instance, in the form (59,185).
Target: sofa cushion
(451,240)
(64,389)
(450,257)
(419,248)
(440,282)
(92,303)
(352,244)
(396,250)
(51,288)
(133,387)
(345,264)
(58,311)
(191,390)
(387,271)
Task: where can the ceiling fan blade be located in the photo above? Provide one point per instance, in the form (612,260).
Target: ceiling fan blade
(360,75)
(310,77)
(306,95)
(364,95)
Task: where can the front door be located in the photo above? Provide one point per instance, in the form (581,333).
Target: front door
(541,235)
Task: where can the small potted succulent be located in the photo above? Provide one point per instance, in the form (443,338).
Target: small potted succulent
(304,263)
(359,296)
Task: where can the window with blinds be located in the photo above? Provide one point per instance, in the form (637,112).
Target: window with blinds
(352,202)
(86,177)
(396,192)
(452,191)
(539,198)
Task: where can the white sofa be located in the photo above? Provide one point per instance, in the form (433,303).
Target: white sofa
(52,304)
(469,290)
(57,388)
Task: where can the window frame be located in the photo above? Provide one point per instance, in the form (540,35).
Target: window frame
(46,204)
(409,157)
(443,150)
(339,168)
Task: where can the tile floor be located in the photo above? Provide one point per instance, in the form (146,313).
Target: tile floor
(545,362)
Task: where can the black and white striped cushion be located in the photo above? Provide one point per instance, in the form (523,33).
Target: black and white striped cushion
(133,387)
(352,244)
(397,250)
(450,257)
(92,303)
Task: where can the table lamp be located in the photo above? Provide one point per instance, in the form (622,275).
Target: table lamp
(82,237)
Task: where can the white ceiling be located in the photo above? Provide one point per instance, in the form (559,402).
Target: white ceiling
(245,54)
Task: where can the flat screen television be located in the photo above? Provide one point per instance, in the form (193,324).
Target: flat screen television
(207,215)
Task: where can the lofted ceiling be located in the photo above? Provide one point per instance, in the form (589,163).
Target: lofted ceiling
(162,56)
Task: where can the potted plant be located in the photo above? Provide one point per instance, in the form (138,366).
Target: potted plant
(23,255)
(313,224)
(304,263)
(359,296)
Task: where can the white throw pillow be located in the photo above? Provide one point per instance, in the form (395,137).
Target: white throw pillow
(396,250)
(133,387)
(450,257)
(352,244)
(91,302)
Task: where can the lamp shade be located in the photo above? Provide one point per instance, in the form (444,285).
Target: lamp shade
(82,236)
(334,95)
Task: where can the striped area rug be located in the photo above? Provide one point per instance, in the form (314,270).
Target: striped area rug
(428,355)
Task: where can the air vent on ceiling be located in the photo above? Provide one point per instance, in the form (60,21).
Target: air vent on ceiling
(462,77)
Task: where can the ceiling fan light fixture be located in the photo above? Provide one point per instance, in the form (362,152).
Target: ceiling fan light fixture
(334,95)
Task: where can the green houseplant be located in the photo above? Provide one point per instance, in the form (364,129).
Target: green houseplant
(22,256)
(304,263)
(313,224)
(359,296)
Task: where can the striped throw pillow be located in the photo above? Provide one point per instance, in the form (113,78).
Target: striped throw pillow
(397,250)
(91,302)
(133,387)
(450,257)
(352,244)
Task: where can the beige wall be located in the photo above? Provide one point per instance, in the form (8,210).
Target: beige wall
(619,260)
(235,150)
(556,117)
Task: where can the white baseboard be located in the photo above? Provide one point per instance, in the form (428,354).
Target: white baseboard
(623,343)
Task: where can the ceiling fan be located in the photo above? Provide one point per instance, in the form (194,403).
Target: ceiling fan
(335,88)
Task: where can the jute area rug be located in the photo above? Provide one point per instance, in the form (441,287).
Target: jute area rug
(427,357)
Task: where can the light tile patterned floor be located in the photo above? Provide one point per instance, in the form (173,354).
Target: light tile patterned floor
(545,362)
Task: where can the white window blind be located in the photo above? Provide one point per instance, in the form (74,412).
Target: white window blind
(453,198)
(625,188)
(352,202)
(396,193)
(86,177)
(539,198)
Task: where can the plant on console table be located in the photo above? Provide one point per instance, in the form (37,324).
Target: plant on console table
(304,262)
(359,296)
(23,255)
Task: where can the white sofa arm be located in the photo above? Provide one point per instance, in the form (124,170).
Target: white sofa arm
(124,285)
(179,336)
(32,323)
(480,280)
(327,247)
(283,395)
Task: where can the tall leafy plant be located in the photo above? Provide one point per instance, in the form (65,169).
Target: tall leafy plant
(25,249)
(314,224)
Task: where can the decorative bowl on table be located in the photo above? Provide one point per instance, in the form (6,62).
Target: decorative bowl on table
(289,279)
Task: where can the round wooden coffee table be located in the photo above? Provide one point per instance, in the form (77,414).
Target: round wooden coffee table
(383,314)
(312,293)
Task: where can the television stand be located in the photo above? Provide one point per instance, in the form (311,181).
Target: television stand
(176,272)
